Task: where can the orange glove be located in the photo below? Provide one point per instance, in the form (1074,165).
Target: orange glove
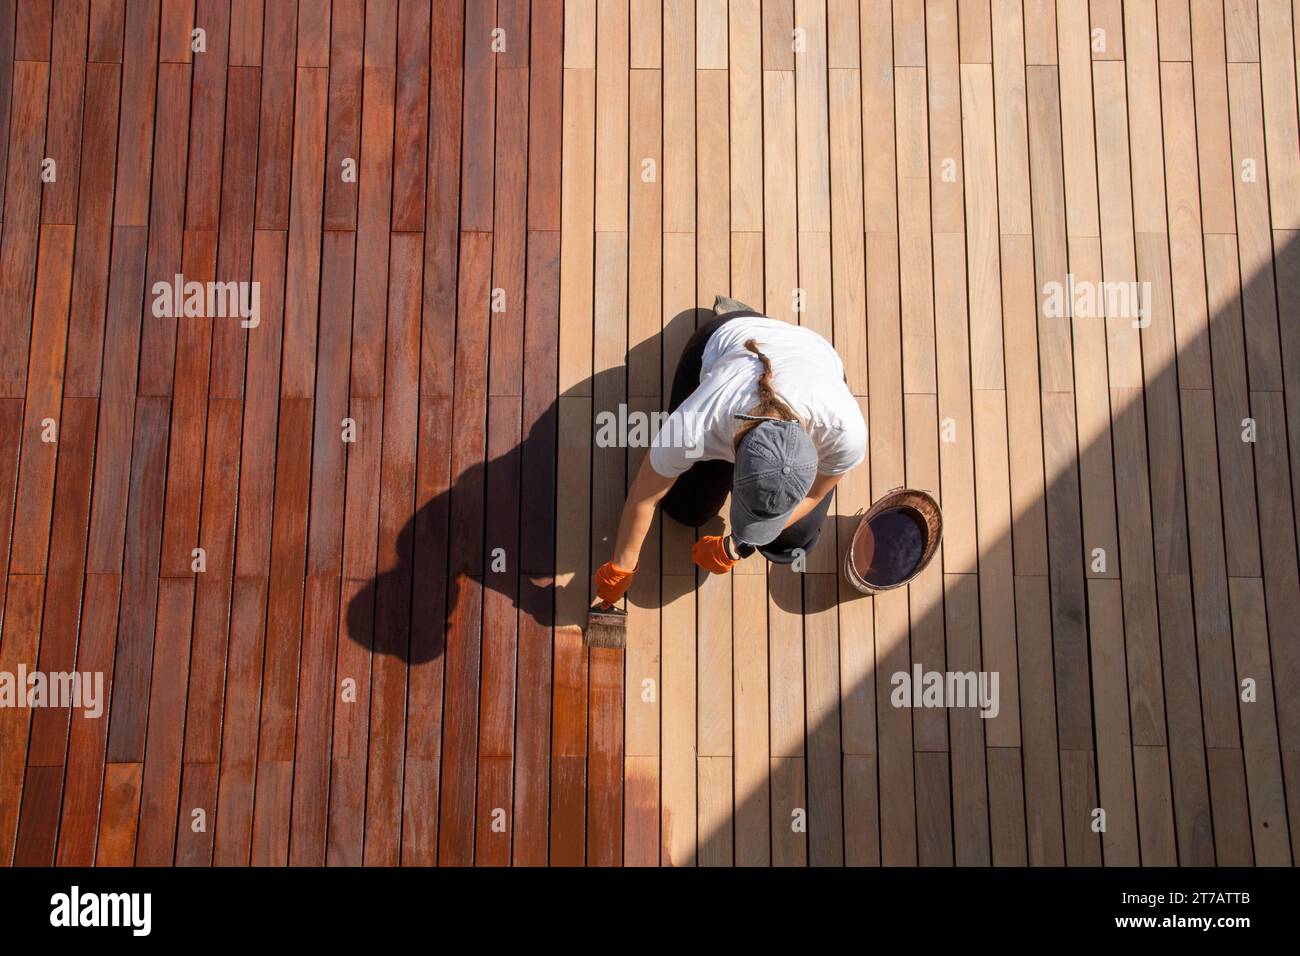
(612,582)
(710,553)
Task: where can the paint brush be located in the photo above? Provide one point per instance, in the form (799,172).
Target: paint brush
(606,626)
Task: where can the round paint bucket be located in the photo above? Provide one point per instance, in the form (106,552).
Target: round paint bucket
(894,541)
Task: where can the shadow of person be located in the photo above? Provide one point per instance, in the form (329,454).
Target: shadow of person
(493,528)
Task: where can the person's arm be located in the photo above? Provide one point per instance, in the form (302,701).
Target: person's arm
(821,487)
(648,487)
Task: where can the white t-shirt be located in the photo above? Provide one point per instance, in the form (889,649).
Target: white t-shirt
(807,374)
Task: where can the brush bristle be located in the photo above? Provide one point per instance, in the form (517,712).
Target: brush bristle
(605,635)
(606,627)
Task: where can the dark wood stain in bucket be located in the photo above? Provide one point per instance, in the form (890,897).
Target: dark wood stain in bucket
(892,547)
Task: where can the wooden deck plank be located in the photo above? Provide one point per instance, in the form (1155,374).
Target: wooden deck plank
(533,229)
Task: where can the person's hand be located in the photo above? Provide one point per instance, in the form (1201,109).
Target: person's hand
(612,582)
(710,553)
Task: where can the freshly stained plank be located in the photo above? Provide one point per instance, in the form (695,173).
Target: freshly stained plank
(84,775)
(275,130)
(393,590)
(47,750)
(64,123)
(23,606)
(90,279)
(160,782)
(343,129)
(34,500)
(20,239)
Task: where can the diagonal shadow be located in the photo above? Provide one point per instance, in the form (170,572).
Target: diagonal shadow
(1167,737)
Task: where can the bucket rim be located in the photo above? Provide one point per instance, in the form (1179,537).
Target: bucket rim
(916,499)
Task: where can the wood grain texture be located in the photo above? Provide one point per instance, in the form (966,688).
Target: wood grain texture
(333,561)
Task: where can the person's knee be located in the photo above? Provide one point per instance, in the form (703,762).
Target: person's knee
(781,552)
(692,514)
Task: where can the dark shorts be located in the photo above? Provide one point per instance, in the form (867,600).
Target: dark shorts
(698,494)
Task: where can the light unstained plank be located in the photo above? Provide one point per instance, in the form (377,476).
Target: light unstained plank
(1114,737)
(752,732)
(1259,724)
(780,210)
(916,268)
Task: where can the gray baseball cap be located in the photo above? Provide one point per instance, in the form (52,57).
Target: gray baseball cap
(775,467)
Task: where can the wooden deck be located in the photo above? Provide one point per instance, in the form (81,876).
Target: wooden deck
(399,499)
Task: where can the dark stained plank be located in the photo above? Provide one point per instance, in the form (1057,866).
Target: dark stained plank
(136,125)
(166,229)
(246,17)
(20,647)
(429,527)
(375,184)
(38,826)
(351,722)
(63,125)
(207,118)
(11,436)
(165,741)
(428,542)
(90,277)
(232,844)
(6,84)
(261,411)
(136,628)
(605,763)
(494,826)
(208,656)
(314,32)
(275,131)
(189,417)
(245,654)
(106,19)
(344,126)
(302,283)
(537,545)
(283,631)
(49,338)
(175,35)
(469,407)
(456,824)
(230,340)
(119,813)
(289,529)
(320,631)
(393,586)
(35,22)
(501,579)
(21,234)
(411,115)
(506,351)
(117,399)
(87,734)
(324,556)
(545,100)
(477,134)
